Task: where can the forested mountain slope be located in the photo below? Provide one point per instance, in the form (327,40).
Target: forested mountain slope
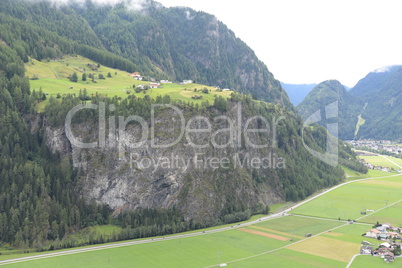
(325,93)
(381,91)
(174,43)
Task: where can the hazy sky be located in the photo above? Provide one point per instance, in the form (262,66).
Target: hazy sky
(309,41)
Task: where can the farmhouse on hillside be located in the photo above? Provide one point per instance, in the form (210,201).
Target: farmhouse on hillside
(185,82)
(136,75)
(154,85)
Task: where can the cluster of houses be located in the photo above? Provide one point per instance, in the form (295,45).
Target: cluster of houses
(389,246)
(380,145)
(154,83)
(371,166)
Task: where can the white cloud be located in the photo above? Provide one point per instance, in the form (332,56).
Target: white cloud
(131,4)
(382,69)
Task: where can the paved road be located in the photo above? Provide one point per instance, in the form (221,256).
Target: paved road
(178,236)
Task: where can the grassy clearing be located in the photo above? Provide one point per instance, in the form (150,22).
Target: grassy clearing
(348,201)
(360,122)
(81,237)
(53,80)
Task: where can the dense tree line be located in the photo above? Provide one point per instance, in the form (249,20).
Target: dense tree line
(32,41)
(37,197)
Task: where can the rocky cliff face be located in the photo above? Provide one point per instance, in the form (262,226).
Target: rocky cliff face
(205,162)
(128,173)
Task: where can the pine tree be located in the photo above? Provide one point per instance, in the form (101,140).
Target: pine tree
(74,77)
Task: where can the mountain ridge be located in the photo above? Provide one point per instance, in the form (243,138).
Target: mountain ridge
(383,115)
(325,93)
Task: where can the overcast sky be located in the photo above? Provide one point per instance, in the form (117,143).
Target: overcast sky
(311,41)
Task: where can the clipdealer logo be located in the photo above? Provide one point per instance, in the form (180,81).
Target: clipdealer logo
(235,134)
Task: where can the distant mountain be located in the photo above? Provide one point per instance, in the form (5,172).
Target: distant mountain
(297,92)
(325,93)
(381,91)
(372,109)
(373,81)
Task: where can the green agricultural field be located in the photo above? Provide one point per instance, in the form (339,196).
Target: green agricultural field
(186,252)
(337,244)
(383,161)
(288,259)
(351,233)
(331,249)
(196,251)
(352,175)
(368,261)
(299,225)
(348,201)
(376,173)
(391,215)
(53,79)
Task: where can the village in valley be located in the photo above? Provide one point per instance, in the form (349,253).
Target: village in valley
(381,148)
(377,145)
(390,242)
